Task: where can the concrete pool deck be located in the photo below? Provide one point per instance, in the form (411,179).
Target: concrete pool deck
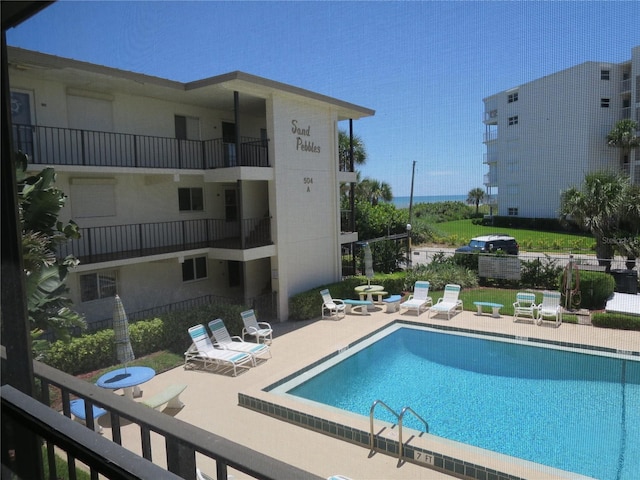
(211,399)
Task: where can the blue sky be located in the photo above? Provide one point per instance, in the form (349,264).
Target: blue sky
(424,67)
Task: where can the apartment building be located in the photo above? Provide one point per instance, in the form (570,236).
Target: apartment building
(225,187)
(543,137)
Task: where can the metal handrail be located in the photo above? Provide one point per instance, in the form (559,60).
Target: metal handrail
(373,407)
(401,417)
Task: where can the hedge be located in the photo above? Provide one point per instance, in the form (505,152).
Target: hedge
(619,321)
(595,288)
(169,332)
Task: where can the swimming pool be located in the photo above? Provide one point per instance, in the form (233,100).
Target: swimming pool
(563,408)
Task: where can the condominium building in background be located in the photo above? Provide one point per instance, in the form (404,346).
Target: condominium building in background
(544,136)
(226,188)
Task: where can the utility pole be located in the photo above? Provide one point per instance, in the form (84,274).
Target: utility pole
(413,173)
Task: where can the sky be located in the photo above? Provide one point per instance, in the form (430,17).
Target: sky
(423,66)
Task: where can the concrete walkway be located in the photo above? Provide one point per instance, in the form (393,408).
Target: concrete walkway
(211,399)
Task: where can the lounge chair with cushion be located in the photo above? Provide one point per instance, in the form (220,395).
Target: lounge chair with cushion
(550,308)
(262,331)
(419,298)
(332,307)
(222,339)
(525,306)
(202,351)
(449,303)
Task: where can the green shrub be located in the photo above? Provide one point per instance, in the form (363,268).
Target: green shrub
(307,305)
(169,332)
(539,274)
(616,320)
(594,288)
(176,324)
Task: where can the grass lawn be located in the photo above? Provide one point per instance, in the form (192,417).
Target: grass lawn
(503,296)
(459,232)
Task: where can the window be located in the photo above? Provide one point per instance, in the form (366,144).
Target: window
(605,74)
(194,269)
(190,199)
(513,211)
(513,120)
(605,102)
(513,97)
(94,286)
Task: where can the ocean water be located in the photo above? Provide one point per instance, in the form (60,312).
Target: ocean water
(403,202)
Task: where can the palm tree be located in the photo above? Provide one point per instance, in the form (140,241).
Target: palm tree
(475,196)
(624,137)
(372,191)
(359,151)
(599,207)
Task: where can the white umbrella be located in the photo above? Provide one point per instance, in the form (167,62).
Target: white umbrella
(368,263)
(124,352)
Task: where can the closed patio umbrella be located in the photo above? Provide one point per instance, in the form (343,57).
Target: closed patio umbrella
(368,263)
(124,352)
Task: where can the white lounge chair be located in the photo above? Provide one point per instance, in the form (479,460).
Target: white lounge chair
(222,339)
(419,298)
(332,307)
(525,306)
(449,303)
(262,331)
(550,308)
(204,352)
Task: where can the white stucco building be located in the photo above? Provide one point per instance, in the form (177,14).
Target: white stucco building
(544,136)
(226,187)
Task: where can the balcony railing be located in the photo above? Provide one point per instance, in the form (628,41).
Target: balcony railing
(118,242)
(491,115)
(70,146)
(625,85)
(182,441)
(490,136)
(490,179)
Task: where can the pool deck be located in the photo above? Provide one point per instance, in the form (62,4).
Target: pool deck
(211,399)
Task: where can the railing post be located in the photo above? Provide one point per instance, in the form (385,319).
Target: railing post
(181,459)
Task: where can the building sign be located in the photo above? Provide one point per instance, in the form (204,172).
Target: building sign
(303,138)
(506,267)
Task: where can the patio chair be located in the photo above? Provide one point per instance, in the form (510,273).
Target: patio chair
(419,298)
(262,331)
(204,352)
(222,339)
(449,303)
(332,307)
(550,307)
(525,306)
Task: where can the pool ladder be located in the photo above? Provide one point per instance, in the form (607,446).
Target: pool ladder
(399,417)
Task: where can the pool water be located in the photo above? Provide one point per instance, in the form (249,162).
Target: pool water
(565,409)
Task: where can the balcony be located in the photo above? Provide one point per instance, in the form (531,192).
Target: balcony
(625,85)
(491,116)
(74,147)
(24,417)
(490,136)
(119,242)
(488,158)
(490,179)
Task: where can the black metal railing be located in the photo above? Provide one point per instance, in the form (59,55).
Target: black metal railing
(117,242)
(72,146)
(182,441)
(347,223)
